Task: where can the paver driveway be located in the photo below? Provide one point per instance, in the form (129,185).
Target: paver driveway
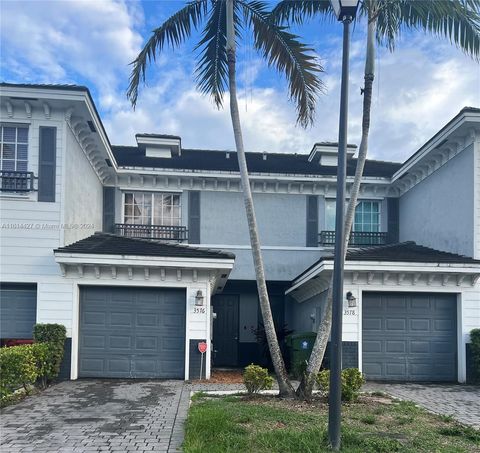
(98,415)
(460,401)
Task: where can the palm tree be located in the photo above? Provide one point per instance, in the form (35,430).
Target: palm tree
(456,20)
(215,68)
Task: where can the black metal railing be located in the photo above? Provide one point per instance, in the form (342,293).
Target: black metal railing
(161,232)
(357,238)
(16,181)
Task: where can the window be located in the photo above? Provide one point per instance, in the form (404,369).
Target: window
(367,216)
(14,148)
(144,208)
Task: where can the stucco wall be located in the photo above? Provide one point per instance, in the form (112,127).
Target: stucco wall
(300,313)
(281,219)
(83,194)
(438,212)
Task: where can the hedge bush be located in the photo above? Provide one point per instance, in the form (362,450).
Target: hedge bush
(257,378)
(55,336)
(475,347)
(37,363)
(18,368)
(352,381)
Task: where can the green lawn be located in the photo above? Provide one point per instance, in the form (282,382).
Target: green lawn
(266,424)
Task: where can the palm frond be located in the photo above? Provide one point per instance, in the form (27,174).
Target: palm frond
(288,55)
(297,12)
(456,20)
(212,69)
(174,31)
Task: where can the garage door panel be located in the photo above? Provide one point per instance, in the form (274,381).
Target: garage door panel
(443,325)
(396,346)
(372,346)
(417,339)
(373,324)
(18,310)
(419,325)
(132,332)
(420,347)
(395,369)
(396,324)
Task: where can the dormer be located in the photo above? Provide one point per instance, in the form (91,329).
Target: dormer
(326,153)
(160,145)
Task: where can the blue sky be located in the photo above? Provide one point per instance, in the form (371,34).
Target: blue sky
(418,88)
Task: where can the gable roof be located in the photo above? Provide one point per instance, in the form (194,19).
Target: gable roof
(405,252)
(278,163)
(111,244)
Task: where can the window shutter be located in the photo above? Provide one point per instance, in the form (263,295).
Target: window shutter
(194,217)
(312,220)
(393,215)
(108,209)
(47,166)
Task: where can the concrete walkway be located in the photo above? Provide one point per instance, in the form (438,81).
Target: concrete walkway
(462,402)
(98,415)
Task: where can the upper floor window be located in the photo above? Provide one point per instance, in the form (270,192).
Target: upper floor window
(148,208)
(14,148)
(367,216)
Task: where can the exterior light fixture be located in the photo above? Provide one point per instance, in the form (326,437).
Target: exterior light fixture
(345,8)
(199,298)
(351,299)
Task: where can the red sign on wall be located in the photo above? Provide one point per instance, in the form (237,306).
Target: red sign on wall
(202,347)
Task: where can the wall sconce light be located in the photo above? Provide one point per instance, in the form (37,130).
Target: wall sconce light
(199,298)
(312,317)
(352,301)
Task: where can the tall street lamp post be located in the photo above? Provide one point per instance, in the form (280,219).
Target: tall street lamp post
(345,10)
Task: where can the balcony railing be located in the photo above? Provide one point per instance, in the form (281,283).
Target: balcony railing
(357,238)
(160,232)
(16,181)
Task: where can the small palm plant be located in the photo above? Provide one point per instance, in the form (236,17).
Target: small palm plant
(222,23)
(455,20)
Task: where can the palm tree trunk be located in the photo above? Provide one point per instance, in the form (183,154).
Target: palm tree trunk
(307,383)
(285,387)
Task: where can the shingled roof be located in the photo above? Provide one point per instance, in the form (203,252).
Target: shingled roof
(405,252)
(213,160)
(111,244)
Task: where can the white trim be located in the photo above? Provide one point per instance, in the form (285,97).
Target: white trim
(134,260)
(425,149)
(461,353)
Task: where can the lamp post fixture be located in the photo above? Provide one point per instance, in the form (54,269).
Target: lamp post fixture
(345,10)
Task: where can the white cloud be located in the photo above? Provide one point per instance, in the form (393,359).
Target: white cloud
(60,41)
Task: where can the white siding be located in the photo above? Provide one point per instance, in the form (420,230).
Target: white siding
(83,194)
(30,229)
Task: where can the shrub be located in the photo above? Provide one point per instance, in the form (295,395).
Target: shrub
(257,378)
(475,347)
(54,335)
(352,381)
(17,369)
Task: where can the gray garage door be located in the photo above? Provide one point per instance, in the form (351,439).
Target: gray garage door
(18,310)
(132,332)
(409,337)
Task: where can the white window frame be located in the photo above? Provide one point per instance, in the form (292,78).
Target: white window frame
(152,216)
(333,200)
(16,126)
